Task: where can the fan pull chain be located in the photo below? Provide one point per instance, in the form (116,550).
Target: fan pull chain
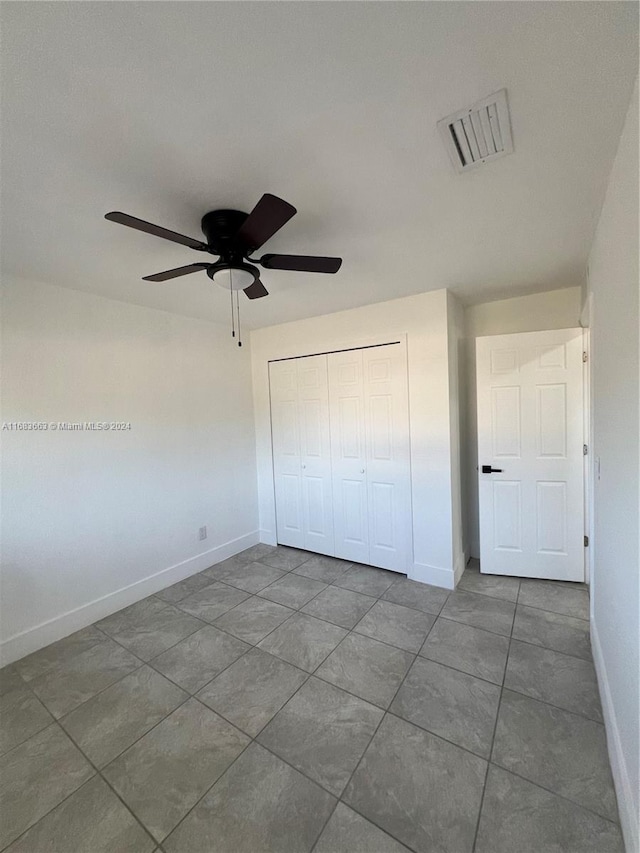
(233,326)
(238,307)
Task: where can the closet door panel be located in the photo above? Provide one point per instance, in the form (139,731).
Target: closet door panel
(387,457)
(346,404)
(315,453)
(285,431)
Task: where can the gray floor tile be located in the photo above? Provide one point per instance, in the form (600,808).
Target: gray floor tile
(225,567)
(561,680)
(21,717)
(420,789)
(212,601)
(183,588)
(252,690)
(110,722)
(293,590)
(165,773)
(340,606)
(471,650)
(149,627)
(554,596)
(252,620)
(495,586)
(303,641)
(35,777)
(9,680)
(397,625)
(219,570)
(368,668)
(480,611)
(253,577)
(57,654)
(420,596)
(199,658)
(256,552)
(367,580)
(285,558)
(325,569)
(260,805)
(93,820)
(349,832)
(560,751)
(451,704)
(519,816)
(553,631)
(322,731)
(82,676)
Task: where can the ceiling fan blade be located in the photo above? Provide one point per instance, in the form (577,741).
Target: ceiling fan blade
(301,263)
(156,230)
(256,290)
(174,273)
(267,217)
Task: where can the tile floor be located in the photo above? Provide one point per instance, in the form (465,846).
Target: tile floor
(283,702)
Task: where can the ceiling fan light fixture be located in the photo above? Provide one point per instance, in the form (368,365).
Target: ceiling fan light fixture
(233,276)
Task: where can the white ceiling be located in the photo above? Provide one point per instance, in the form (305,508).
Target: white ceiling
(168,110)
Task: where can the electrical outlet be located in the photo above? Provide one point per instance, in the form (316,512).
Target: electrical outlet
(202,533)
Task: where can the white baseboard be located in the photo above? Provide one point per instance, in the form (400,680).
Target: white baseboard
(433,575)
(268,537)
(19,645)
(621,781)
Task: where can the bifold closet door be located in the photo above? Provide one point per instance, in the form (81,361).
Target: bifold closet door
(302,453)
(348,456)
(368,402)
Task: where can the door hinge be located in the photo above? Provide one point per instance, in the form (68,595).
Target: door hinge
(586,541)
(585,449)
(585,356)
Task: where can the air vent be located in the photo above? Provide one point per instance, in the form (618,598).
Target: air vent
(478,134)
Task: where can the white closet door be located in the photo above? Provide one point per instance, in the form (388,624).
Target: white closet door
(346,400)
(315,454)
(285,433)
(387,456)
(302,453)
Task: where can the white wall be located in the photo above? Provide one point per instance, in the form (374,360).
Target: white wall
(423,318)
(457,429)
(615,594)
(91,520)
(555,309)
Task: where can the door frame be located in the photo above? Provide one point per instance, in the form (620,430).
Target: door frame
(589,461)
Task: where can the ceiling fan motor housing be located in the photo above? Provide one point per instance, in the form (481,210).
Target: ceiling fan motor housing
(221,227)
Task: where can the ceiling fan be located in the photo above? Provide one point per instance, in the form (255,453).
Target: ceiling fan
(233,236)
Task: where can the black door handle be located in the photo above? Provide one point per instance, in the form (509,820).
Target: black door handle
(487,469)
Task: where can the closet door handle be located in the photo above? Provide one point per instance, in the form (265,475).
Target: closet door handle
(304,466)
(362,470)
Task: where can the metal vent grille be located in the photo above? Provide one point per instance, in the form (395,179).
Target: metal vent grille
(478,134)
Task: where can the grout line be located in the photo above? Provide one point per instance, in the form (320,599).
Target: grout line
(324,825)
(493,734)
(355,770)
(555,794)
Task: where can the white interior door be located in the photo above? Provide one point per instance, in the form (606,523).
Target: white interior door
(370,456)
(387,456)
(285,436)
(530,432)
(302,453)
(315,454)
(348,456)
